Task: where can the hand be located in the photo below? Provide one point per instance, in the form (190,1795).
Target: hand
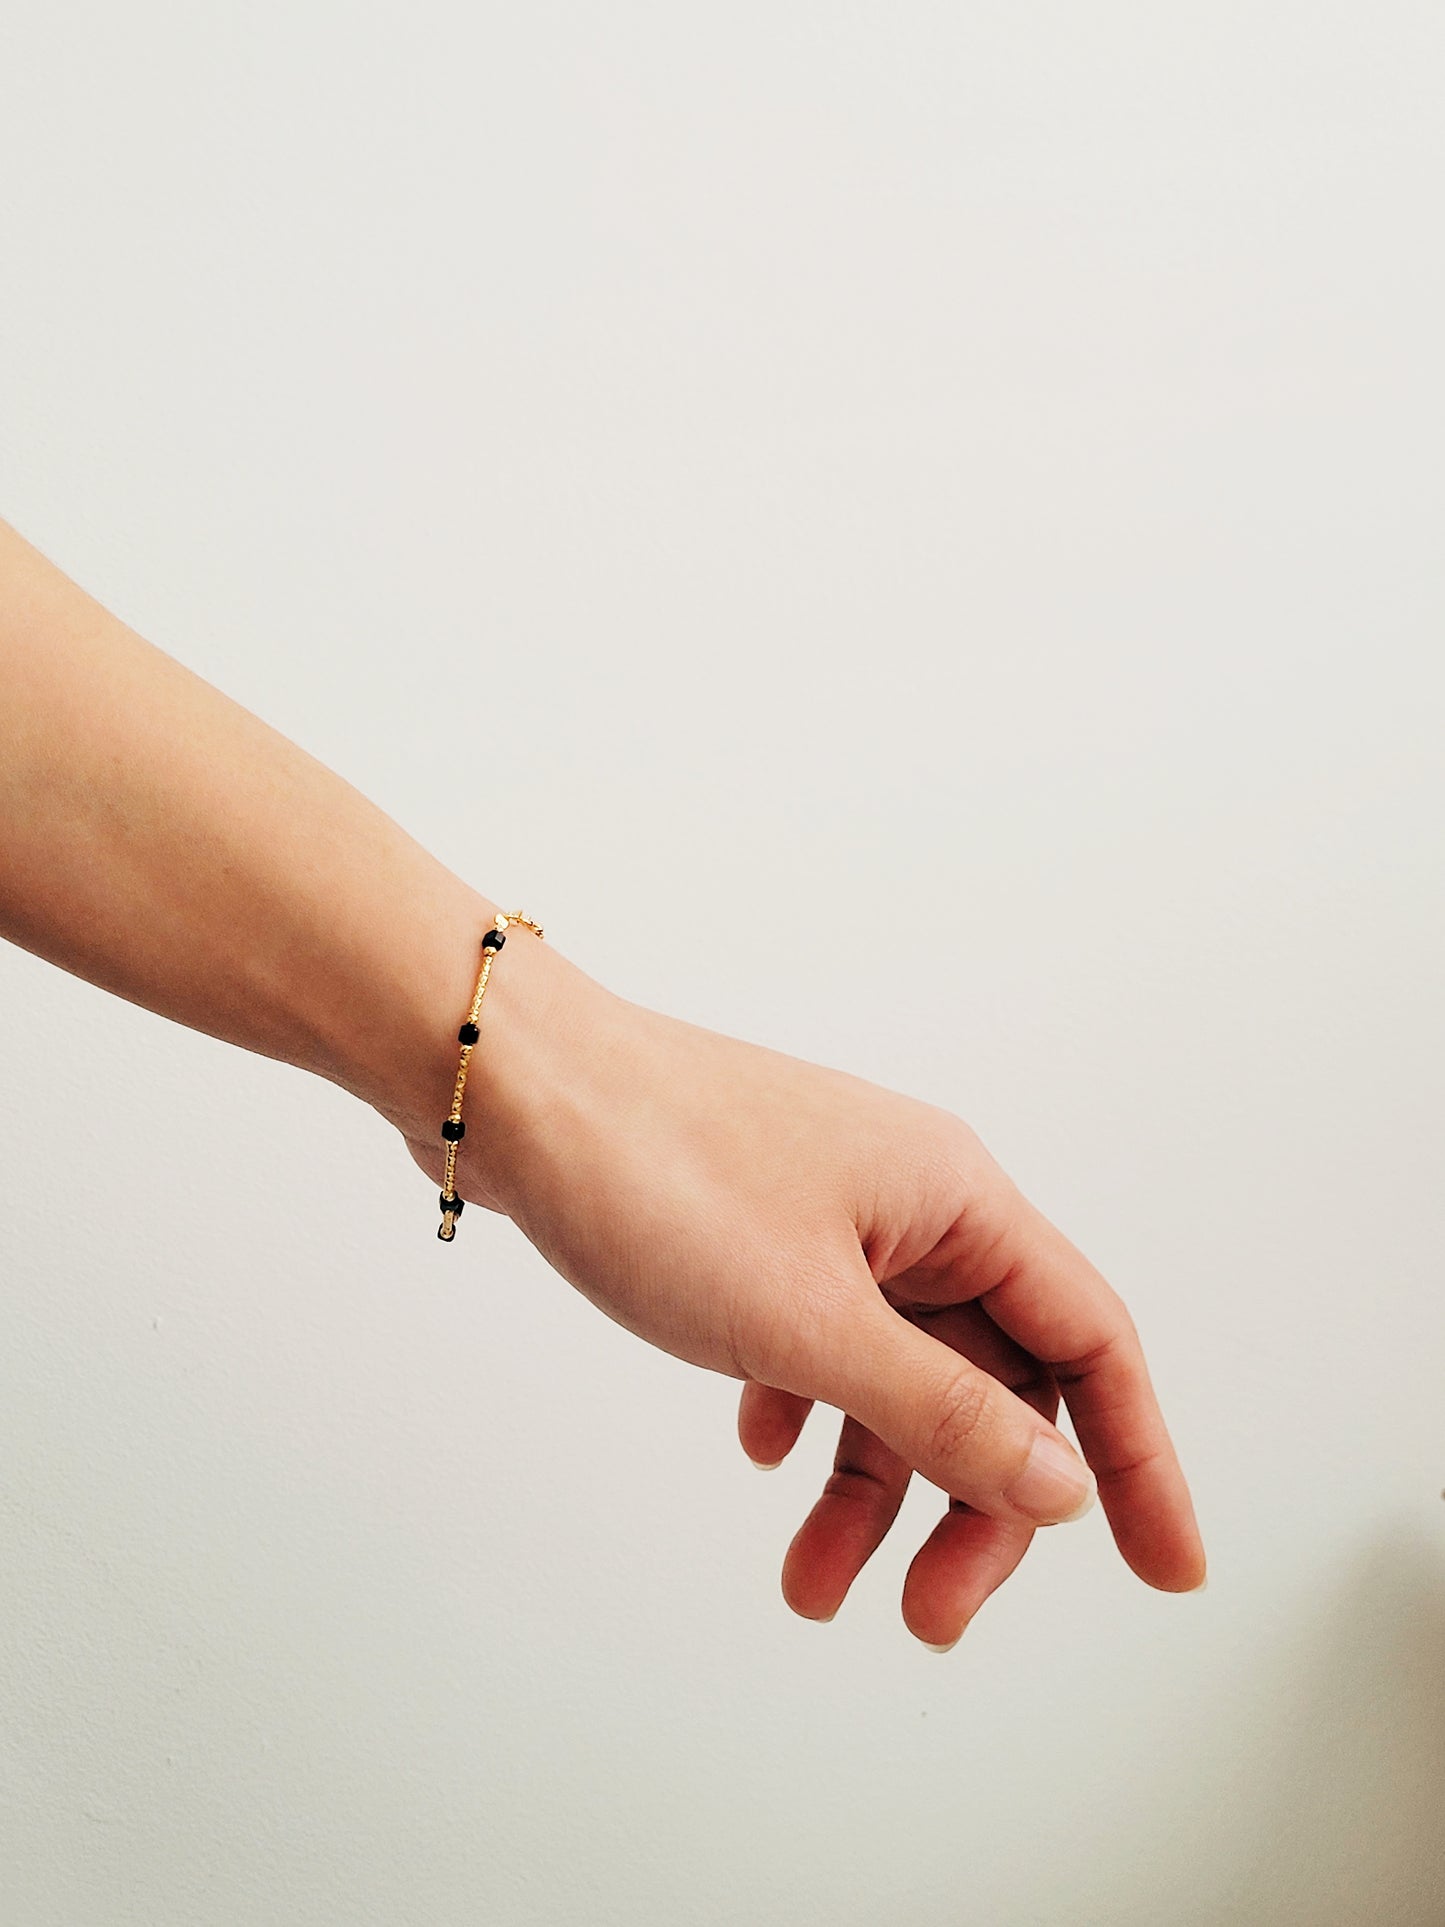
(968,1555)
(825,1239)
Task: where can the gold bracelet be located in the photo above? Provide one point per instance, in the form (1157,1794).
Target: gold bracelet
(453,1130)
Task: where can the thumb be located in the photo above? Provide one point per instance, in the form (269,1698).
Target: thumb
(955,1424)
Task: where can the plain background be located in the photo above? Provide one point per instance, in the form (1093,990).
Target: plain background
(910,534)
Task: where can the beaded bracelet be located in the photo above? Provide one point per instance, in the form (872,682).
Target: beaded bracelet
(453,1129)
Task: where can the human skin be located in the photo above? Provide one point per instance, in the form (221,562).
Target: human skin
(811,1234)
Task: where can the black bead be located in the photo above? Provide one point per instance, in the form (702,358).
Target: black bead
(493,940)
(468,1034)
(453,1129)
(454,1205)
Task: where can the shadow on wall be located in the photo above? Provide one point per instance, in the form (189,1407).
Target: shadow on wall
(1334,1815)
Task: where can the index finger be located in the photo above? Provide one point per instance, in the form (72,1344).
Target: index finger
(1043,1291)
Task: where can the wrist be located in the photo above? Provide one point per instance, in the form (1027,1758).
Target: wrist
(535,1018)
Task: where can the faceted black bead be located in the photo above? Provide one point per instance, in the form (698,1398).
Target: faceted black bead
(453,1129)
(468,1034)
(454,1205)
(493,940)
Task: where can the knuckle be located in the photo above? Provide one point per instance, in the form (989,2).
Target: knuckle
(1118,1350)
(957,1163)
(958,1418)
(956,1149)
(855,1485)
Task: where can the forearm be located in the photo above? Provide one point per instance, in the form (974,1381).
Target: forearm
(164,843)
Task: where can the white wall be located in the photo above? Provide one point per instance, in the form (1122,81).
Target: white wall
(723,476)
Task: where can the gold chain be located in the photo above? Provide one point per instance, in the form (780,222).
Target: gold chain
(453,1128)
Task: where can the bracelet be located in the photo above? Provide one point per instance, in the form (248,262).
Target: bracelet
(453,1129)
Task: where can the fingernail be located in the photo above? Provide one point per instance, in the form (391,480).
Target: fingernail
(1055,1487)
(941,1649)
(1202,1584)
(767,1465)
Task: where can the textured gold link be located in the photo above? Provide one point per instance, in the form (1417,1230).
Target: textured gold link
(502,921)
